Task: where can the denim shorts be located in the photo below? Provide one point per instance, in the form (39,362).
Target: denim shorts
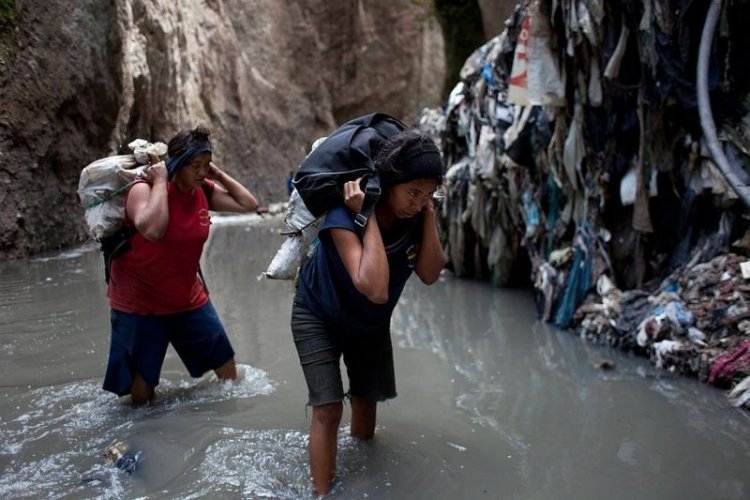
(139,343)
(320,346)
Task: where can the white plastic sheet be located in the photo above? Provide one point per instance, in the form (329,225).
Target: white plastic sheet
(303,229)
(535,78)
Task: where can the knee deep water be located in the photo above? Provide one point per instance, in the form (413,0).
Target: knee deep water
(492,403)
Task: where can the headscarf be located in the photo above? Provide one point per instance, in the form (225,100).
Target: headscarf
(196,147)
(421,160)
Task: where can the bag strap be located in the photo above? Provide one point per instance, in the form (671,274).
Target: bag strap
(207,192)
(114,245)
(203,280)
(372,193)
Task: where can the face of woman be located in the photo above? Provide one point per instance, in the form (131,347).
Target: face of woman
(194,172)
(408,199)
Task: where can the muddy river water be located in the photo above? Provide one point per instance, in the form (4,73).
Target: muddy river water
(492,403)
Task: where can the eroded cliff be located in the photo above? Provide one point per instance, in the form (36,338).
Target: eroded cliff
(267,76)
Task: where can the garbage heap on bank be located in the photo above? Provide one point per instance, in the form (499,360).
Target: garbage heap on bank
(600,150)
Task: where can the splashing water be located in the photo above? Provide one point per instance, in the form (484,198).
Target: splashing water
(66,428)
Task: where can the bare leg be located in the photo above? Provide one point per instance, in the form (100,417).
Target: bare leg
(227,371)
(140,391)
(323,431)
(364,413)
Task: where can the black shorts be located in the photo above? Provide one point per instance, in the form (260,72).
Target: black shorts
(139,344)
(320,346)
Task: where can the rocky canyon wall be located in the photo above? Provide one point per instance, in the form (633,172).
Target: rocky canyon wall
(267,77)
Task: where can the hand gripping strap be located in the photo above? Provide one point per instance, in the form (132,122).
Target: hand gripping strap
(372,193)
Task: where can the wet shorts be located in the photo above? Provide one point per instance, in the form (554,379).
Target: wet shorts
(368,359)
(139,344)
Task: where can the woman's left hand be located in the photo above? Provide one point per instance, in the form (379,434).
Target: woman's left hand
(214,171)
(229,195)
(354,197)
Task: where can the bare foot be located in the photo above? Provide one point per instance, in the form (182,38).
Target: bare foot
(227,371)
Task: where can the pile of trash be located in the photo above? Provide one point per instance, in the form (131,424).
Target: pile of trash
(580,147)
(697,323)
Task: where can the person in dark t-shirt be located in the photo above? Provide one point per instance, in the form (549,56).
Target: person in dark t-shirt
(351,283)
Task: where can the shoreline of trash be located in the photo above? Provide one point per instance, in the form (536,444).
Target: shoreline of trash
(696,323)
(579,148)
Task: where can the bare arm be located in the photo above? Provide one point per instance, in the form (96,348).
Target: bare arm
(366,260)
(431,259)
(147,203)
(230,195)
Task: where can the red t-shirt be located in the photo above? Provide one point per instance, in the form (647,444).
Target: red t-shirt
(161,277)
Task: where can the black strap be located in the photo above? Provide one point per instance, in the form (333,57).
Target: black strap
(203,280)
(115,245)
(207,192)
(372,193)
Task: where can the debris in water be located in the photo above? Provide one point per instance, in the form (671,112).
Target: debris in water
(120,455)
(605,364)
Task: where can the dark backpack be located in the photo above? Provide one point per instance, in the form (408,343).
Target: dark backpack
(346,154)
(114,245)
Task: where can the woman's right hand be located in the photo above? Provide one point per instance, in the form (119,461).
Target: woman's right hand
(157,171)
(354,197)
(147,203)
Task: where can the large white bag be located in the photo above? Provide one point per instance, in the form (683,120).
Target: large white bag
(303,229)
(102,185)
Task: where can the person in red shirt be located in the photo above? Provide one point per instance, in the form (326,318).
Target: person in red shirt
(155,294)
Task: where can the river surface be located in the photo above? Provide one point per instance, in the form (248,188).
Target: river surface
(492,403)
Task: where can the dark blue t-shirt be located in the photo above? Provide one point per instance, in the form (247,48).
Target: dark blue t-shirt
(327,289)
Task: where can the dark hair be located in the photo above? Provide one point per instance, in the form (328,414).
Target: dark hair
(407,156)
(186,138)
(185,145)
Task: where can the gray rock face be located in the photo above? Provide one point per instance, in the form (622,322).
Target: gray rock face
(267,77)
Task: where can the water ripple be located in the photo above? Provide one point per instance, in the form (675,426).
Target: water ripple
(66,428)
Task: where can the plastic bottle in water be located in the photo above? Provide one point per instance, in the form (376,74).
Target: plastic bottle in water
(122,457)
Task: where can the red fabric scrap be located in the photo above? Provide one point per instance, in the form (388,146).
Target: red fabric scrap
(725,366)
